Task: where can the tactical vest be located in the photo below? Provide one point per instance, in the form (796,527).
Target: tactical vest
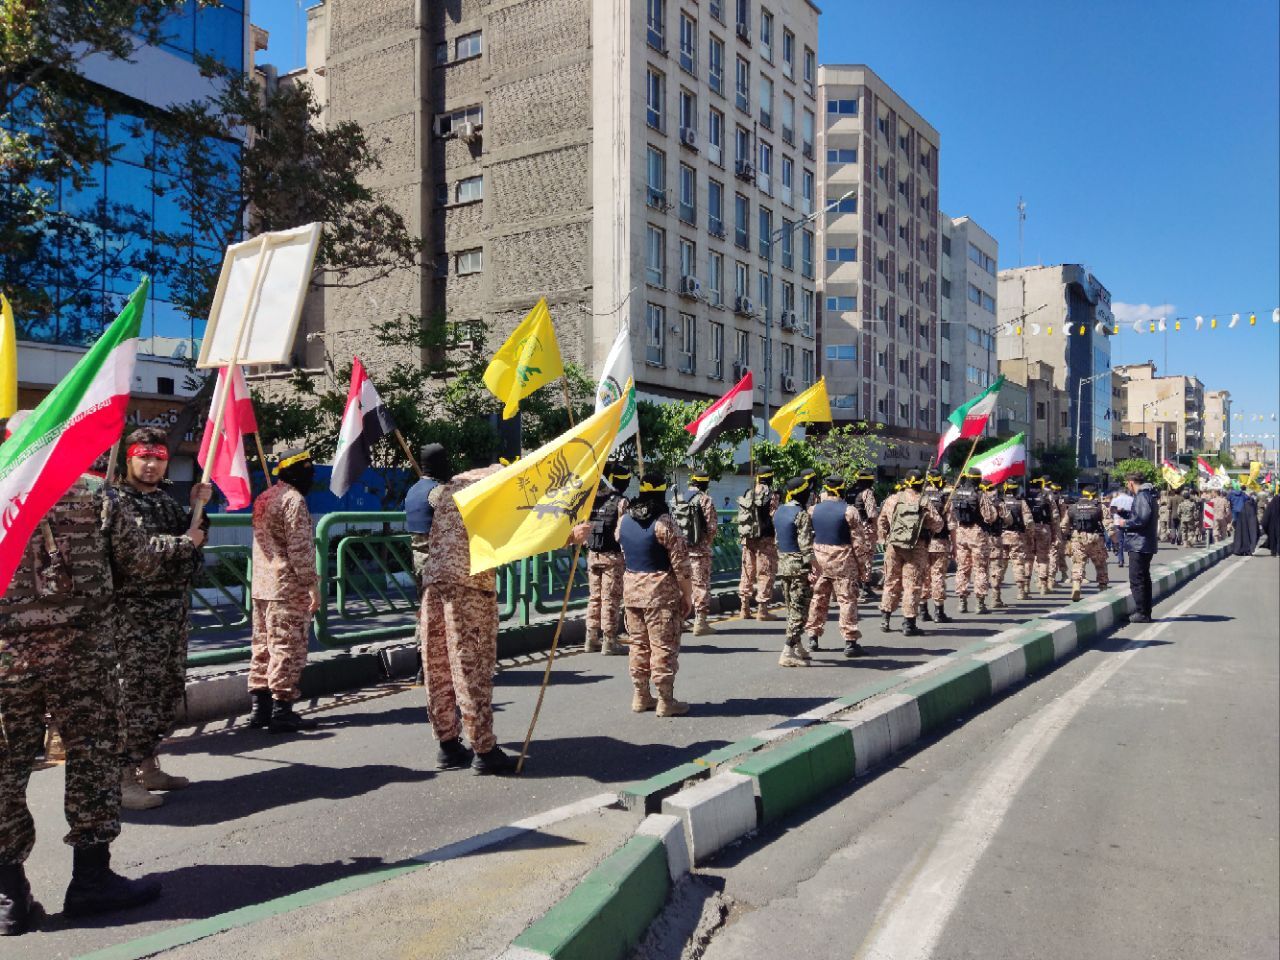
(604,521)
(766,519)
(938,500)
(641,551)
(1015,522)
(419,514)
(1041,511)
(964,503)
(1086,516)
(830,528)
(993,528)
(784,523)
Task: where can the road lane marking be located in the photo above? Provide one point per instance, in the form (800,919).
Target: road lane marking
(914,914)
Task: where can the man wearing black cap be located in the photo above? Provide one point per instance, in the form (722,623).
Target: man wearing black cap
(970,513)
(286,593)
(904,517)
(420,504)
(759,546)
(700,532)
(940,550)
(1087,524)
(839,545)
(604,563)
(864,501)
(794,530)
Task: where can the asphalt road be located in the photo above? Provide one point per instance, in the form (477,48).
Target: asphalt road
(270,816)
(1125,806)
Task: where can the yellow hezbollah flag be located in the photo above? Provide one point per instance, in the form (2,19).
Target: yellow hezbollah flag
(531,506)
(812,406)
(1255,468)
(8,361)
(528,360)
(1173,477)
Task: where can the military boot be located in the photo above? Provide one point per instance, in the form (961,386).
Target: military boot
(868,595)
(853,649)
(284,720)
(999,600)
(153,778)
(612,648)
(96,888)
(1044,588)
(925,615)
(909,628)
(801,652)
(1023,591)
(1075,593)
(982,604)
(453,755)
(592,644)
(789,657)
(19,912)
(701,627)
(814,642)
(964,604)
(744,612)
(668,705)
(942,614)
(642,700)
(55,751)
(261,714)
(763,613)
(884,621)
(133,795)
(492,763)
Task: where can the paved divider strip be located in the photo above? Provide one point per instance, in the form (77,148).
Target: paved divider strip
(795,762)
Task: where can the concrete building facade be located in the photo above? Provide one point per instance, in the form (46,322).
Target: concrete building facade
(1061,317)
(1217,420)
(967,294)
(1169,410)
(1047,410)
(880,250)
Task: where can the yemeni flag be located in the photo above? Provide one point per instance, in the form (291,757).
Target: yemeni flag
(80,418)
(365,421)
(970,419)
(1000,463)
(230,470)
(730,412)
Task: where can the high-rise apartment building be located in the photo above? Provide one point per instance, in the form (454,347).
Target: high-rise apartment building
(1217,420)
(880,244)
(967,294)
(1060,317)
(630,162)
(1169,410)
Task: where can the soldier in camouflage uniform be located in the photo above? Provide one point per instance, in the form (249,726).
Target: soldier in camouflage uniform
(1190,517)
(656,594)
(759,553)
(906,555)
(864,500)
(794,530)
(1045,517)
(419,511)
(839,538)
(1015,535)
(1088,525)
(152,622)
(1059,553)
(700,552)
(286,593)
(604,564)
(58,657)
(971,512)
(940,551)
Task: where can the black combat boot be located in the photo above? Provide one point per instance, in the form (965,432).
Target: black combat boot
(982,604)
(964,604)
(909,628)
(925,615)
(96,888)
(452,755)
(884,621)
(18,911)
(942,614)
(854,649)
(868,595)
(493,762)
(261,714)
(284,720)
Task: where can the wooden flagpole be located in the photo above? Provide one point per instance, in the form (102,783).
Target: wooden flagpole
(973,447)
(405,447)
(112,458)
(262,457)
(568,405)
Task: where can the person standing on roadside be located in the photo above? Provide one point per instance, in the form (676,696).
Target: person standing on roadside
(940,551)
(839,534)
(604,564)
(794,529)
(900,525)
(1121,503)
(1141,531)
(759,546)
(700,529)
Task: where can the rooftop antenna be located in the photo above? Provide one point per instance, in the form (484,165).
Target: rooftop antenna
(1022,218)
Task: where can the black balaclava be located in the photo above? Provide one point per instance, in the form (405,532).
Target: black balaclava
(296,468)
(435,462)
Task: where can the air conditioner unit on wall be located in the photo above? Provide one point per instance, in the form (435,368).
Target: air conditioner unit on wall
(690,286)
(743,305)
(689,137)
(468,132)
(788,320)
(789,384)
(739,370)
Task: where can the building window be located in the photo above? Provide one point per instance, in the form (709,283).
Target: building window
(655,329)
(788,360)
(448,123)
(806,133)
(842,108)
(688,194)
(1041,413)
(715,279)
(742,347)
(788,176)
(982,260)
(807,372)
(766,232)
(842,304)
(688,258)
(842,156)
(655,94)
(764,293)
(743,8)
(688,343)
(788,296)
(788,54)
(842,254)
(442,194)
(742,145)
(470,189)
(688,111)
(655,262)
(810,71)
(657,24)
(946,288)
(788,245)
(765,170)
(741,278)
(467,46)
(766,35)
(766,102)
(902,364)
(717,351)
(845,205)
(808,307)
(742,85)
(946,245)
(981,298)
(806,191)
(844,351)
(806,254)
(715,208)
(657,178)
(688,44)
(944,370)
(715,64)
(741,221)
(716,8)
(469,261)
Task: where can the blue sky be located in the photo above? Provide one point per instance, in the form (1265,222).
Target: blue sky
(1143,136)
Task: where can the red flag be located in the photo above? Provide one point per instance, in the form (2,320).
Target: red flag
(230,468)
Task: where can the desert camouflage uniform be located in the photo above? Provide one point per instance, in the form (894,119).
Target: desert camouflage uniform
(1085,545)
(284,572)
(795,570)
(868,511)
(58,656)
(604,587)
(1015,545)
(1041,543)
(838,569)
(152,619)
(940,551)
(653,605)
(759,562)
(1163,513)
(905,568)
(973,544)
(458,623)
(1058,551)
(1222,516)
(700,558)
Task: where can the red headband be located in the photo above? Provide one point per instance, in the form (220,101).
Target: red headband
(148,451)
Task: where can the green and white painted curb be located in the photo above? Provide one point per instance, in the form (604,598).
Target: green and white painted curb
(718,799)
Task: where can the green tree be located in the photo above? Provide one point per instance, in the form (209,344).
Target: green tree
(1058,462)
(1144,467)
(665,441)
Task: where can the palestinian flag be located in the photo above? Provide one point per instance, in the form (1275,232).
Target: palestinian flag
(365,421)
(969,419)
(1000,463)
(730,412)
(80,418)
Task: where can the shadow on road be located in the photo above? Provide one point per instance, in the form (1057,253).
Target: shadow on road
(608,759)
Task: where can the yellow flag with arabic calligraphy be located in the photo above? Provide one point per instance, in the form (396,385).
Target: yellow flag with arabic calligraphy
(812,406)
(532,505)
(528,360)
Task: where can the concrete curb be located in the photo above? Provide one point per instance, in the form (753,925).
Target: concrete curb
(774,773)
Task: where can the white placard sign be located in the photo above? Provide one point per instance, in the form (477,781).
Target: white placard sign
(282,263)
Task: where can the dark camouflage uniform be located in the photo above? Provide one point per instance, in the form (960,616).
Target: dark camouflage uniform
(151,627)
(652,604)
(700,558)
(284,573)
(57,656)
(795,571)
(458,623)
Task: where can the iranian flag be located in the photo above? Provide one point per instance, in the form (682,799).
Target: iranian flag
(970,419)
(731,411)
(1000,463)
(365,421)
(80,418)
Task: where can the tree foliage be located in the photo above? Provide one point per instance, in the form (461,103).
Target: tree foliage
(1136,465)
(1058,462)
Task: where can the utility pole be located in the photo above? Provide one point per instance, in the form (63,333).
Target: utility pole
(1022,218)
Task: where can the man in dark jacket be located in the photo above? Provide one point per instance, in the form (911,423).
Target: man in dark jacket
(1141,540)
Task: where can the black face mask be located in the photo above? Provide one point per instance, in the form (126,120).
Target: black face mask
(300,478)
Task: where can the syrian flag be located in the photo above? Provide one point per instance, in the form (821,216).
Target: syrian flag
(970,419)
(80,418)
(730,412)
(1000,463)
(618,372)
(365,421)
(230,469)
